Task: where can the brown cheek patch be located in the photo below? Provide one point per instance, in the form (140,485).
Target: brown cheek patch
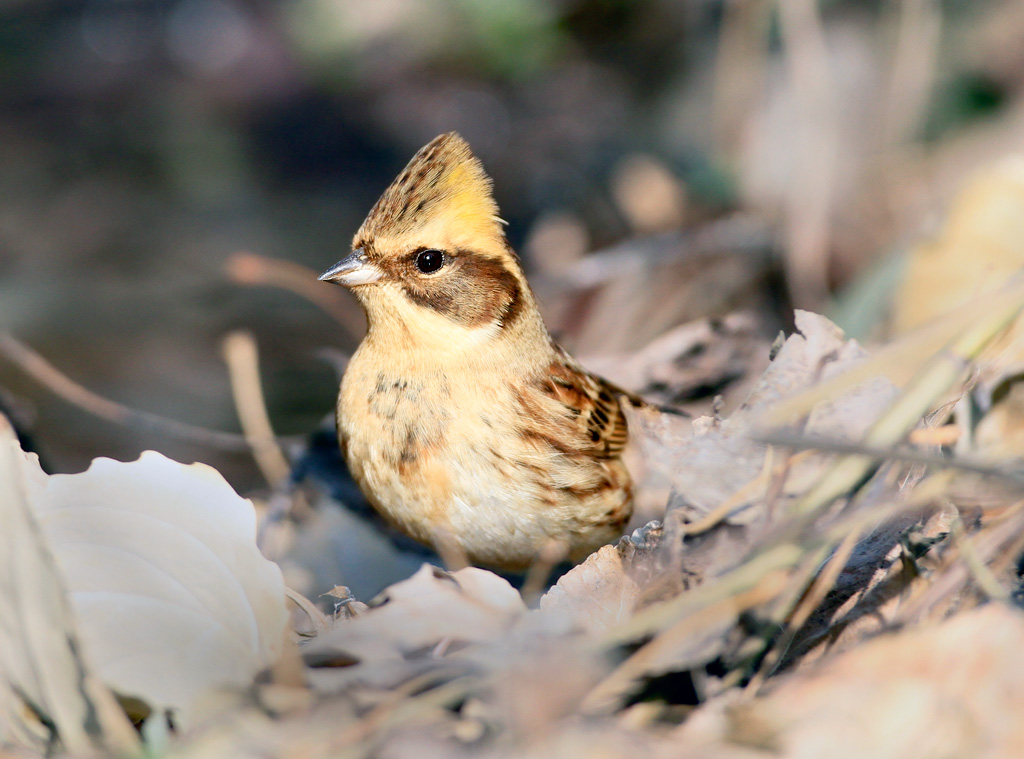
(438,300)
(513,307)
(477,292)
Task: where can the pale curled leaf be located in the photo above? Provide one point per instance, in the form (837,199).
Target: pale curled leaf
(171,594)
(607,588)
(41,666)
(596,594)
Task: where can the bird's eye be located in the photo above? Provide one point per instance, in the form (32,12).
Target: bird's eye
(429,260)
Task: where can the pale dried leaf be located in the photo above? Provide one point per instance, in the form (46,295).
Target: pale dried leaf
(596,594)
(431,606)
(611,584)
(980,246)
(714,459)
(171,594)
(41,665)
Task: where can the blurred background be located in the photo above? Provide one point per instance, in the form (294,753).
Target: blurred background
(657,162)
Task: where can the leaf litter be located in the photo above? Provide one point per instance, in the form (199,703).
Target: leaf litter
(825,578)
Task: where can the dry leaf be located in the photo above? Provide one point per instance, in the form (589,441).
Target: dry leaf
(43,674)
(431,606)
(952,690)
(606,588)
(692,362)
(980,246)
(711,460)
(171,595)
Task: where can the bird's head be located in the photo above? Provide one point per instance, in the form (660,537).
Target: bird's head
(431,258)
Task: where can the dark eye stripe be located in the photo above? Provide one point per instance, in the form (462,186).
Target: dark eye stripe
(513,307)
(478,290)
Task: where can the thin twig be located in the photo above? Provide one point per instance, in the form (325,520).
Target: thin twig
(810,197)
(251,269)
(741,65)
(50,377)
(741,496)
(913,69)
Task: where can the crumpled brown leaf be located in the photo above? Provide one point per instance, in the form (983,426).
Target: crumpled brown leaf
(710,460)
(693,362)
(714,462)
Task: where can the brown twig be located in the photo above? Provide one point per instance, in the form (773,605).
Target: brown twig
(251,269)
(47,375)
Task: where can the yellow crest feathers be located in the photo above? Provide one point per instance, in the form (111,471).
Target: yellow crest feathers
(444,183)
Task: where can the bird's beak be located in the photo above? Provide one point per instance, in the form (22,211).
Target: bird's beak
(352,270)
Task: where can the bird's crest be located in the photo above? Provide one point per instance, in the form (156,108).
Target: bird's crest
(444,185)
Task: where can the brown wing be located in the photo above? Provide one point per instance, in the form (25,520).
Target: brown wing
(594,402)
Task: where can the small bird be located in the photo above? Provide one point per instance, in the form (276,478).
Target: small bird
(459,416)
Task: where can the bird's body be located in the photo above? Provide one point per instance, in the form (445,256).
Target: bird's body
(459,416)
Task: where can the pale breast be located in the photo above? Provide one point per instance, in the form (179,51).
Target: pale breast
(433,458)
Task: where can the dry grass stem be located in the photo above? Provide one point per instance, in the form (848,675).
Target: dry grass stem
(765,566)
(242,360)
(819,589)
(904,357)
(1007,470)
(936,379)
(982,575)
